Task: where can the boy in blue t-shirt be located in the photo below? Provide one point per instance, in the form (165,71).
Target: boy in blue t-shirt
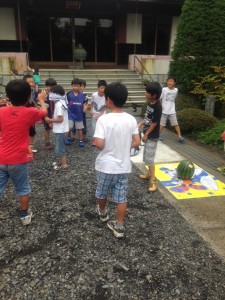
(76,108)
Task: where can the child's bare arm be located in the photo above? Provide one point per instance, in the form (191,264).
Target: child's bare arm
(41,99)
(91,109)
(85,108)
(140,124)
(135,141)
(59,119)
(101,112)
(150,129)
(100,143)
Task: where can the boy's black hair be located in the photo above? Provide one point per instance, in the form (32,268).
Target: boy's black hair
(82,81)
(117,92)
(50,82)
(75,81)
(154,88)
(25,77)
(172,77)
(18,91)
(58,89)
(102,83)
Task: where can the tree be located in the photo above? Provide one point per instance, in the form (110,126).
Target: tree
(200,41)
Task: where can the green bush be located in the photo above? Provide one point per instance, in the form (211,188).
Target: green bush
(187,101)
(220,109)
(193,119)
(212,136)
(199,41)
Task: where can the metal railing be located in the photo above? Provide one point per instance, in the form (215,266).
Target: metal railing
(142,74)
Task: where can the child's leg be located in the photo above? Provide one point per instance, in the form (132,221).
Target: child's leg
(20,178)
(177,128)
(161,128)
(101,195)
(174,123)
(4,177)
(32,133)
(47,136)
(101,203)
(152,172)
(24,202)
(93,125)
(162,125)
(63,161)
(149,157)
(60,149)
(80,134)
(85,124)
(121,212)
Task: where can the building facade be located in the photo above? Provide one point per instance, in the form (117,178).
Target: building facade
(109,30)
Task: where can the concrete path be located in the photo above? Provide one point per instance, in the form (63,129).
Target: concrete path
(206,215)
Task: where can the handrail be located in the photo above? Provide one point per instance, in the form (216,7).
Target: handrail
(143,68)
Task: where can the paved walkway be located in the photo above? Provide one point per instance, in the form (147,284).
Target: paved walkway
(206,215)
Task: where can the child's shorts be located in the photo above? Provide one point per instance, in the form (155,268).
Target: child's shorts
(59,145)
(19,176)
(47,126)
(172,118)
(32,131)
(113,184)
(149,152)
(78,125)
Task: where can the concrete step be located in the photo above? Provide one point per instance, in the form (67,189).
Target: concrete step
(131,79)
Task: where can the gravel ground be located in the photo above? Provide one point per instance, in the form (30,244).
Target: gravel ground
(67,253)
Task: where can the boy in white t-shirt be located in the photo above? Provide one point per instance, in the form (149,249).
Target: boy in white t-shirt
(60,124)
(98,107)
(113,162)
(168,98)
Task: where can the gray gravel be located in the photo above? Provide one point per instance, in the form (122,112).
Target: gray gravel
(66,253)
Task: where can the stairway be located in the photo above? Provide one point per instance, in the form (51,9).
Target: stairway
(133,82)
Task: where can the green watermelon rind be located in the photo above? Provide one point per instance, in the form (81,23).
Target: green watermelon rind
(185,169)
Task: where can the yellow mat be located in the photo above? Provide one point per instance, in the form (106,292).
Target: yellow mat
(202,184)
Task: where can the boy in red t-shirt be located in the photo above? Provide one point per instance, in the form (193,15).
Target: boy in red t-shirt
(15,153)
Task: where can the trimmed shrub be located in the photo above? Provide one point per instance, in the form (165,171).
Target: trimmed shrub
(199,41)
(220,110)
(193,119)
(212,136)
(187,101)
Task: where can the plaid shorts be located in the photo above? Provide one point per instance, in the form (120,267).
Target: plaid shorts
(149,152)
(112,184)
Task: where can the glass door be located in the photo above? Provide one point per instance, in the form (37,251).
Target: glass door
(84,34)
(106,36)
(61,39)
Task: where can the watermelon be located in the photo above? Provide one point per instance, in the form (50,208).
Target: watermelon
(185,169)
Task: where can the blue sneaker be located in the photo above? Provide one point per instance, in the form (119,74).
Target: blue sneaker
(81,144)
(161,138)
(67,141)
(181,139)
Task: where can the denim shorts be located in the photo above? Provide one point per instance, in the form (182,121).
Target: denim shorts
(149,152)
(112,184)
(19,176)
(59,145)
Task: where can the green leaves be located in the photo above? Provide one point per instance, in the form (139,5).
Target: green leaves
(200,41)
